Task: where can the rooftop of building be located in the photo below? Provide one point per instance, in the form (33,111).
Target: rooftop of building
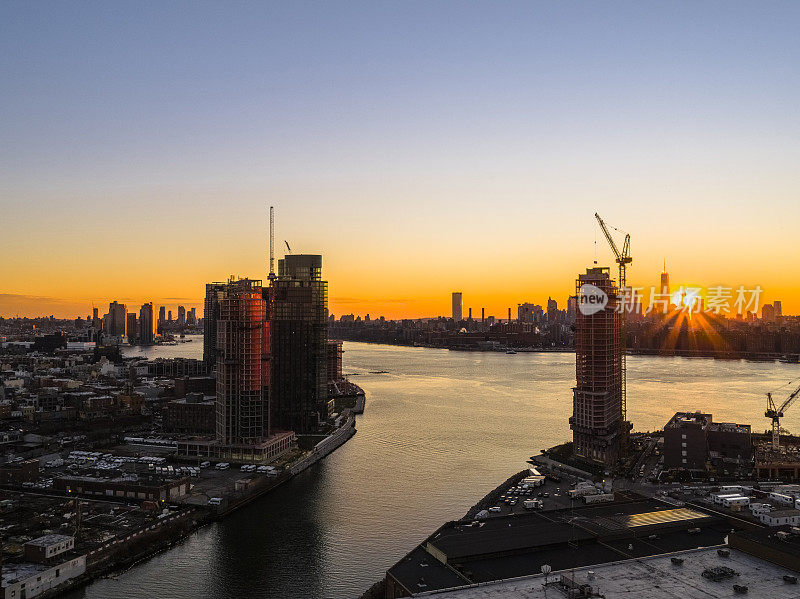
(141,480)
(14,572)
(519,544)
(195,399)
(683,418)
(788,513)
(655,577)
(729,427)
(48,540)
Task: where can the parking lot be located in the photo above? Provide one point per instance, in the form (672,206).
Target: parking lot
(552,495)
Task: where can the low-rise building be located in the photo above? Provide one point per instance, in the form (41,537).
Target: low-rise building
(760,508)
(45,549)
(24,581)
(191,415)
(735,502)
(790,517)
(140,488)
(691,439)
(264,452)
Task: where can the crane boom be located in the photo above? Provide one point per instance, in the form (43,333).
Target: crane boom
(608,236)
(790,400)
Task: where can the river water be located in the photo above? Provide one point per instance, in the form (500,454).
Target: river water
(440,430)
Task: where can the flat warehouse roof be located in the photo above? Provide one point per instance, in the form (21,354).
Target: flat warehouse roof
(651,578)
(661,517)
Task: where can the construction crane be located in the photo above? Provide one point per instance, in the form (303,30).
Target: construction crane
(776,413)
(287,246)
(623,259)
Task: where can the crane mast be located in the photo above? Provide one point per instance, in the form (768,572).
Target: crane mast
(271,276)
(622,258)
(776,413)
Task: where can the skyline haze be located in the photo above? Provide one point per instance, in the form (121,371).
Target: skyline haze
(421,148)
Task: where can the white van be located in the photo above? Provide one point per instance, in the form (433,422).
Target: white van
(215,501)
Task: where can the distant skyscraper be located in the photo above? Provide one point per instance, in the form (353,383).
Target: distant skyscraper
(778,308)
(162,318)
(768,313)
(169,316)
(552,310)
(572,309)
(116,319)
(191,317)
(298,300)
(181,316)
(215,292)
(243,346)
(597,416)
(131,328)
(525,313)
(664,281)
(146,324)
(457,306)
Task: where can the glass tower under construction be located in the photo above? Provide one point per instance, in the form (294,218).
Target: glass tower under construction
(597,420)
(299,305)
(243,374)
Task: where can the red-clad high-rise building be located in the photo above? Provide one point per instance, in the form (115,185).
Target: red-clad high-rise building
(243,370)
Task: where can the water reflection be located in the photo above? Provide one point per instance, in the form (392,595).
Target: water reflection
(440,430)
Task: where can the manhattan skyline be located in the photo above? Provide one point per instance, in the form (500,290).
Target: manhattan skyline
(446,147)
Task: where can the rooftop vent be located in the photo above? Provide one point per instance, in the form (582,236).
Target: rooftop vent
(719,573)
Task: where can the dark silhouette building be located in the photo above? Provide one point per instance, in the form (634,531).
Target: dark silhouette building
(146,330)
(132,328)
(214,293)
(691,439)
(115,321)
(299,304)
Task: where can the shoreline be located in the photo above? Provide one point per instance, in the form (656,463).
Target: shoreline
(197,517)
(766,357)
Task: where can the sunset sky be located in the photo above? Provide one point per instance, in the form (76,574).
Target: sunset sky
(421,147)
